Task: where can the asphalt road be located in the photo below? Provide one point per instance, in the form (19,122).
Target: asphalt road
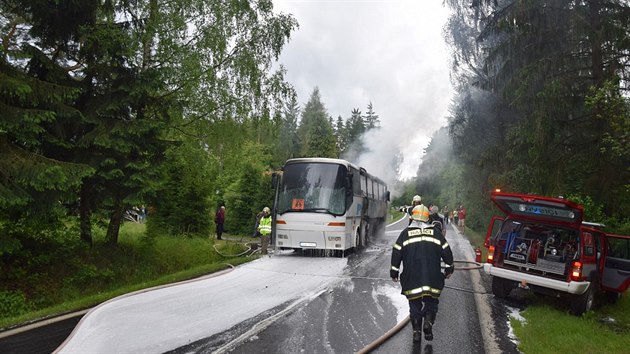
(39,340)
(359,309)
(353,310)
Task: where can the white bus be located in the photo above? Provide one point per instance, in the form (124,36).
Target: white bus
(326,204)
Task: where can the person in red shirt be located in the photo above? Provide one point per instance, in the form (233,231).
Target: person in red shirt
(461,216)
(219,219)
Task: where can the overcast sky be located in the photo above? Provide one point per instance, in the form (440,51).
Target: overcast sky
(389,52)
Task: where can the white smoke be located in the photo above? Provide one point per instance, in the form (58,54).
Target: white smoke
(381,146)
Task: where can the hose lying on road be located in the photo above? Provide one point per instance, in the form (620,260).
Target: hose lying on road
(476,265)
(384,337)
(249,248)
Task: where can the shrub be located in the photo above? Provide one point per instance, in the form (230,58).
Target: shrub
(12,303)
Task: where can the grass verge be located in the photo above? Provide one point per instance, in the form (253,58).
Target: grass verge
(605,330)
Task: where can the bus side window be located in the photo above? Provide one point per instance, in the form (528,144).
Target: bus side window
(364,185)
(371,189)
(356,182)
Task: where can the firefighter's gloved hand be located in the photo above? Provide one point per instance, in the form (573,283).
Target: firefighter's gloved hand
(448,271)
(393,274)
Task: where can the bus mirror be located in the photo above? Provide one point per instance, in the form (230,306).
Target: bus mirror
(274,180)
(387,196)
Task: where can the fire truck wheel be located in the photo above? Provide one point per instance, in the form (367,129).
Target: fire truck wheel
(612,297)
(501,288)
(583,303)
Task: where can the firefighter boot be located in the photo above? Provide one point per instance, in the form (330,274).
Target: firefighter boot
(416,324)
(429,319)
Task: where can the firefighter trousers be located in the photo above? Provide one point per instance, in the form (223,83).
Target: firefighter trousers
(419,307)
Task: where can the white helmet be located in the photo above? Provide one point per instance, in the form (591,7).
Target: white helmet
(416,198)
(420,212)
(266,210)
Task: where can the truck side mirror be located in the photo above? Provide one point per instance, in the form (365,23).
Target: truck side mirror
(387,196)
(274,180)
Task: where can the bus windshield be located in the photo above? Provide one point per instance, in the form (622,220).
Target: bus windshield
(313,187)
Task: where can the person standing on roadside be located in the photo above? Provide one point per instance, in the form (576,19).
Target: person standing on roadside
(435,218)
(446,214)
(456,216)
(462,217)
(219,219)
(264,228)
(420,248)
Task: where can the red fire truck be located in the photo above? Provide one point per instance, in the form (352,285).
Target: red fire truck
(543,244)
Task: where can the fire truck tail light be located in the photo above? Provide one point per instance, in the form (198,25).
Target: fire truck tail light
(490,258)
(576,271)
(279,221)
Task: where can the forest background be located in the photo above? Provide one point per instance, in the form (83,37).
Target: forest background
(178,106)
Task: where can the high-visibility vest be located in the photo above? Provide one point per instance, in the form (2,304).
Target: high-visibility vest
(264,226)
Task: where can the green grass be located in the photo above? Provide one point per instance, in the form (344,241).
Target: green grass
(101,273)
(550,329)
(394,215)
(476,240)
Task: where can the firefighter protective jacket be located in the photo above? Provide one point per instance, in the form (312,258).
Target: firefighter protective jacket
(420,248)
(264,226)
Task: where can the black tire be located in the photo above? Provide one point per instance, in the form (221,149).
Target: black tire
(501,288)
(583,303)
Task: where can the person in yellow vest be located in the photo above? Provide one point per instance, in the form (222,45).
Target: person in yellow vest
(264,228)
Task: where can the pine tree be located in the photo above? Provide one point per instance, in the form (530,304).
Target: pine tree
(341,134)
(288,142)
(315,131)
(355,127)
(371,118)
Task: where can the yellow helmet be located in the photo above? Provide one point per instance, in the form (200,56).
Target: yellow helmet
(420,213)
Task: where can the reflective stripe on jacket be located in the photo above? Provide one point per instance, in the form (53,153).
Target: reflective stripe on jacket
(264,225)
(421,248)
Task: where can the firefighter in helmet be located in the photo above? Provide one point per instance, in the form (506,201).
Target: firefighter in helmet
(414,202)
(419,248)
(264,228)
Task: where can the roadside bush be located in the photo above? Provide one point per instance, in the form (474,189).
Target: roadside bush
(182,198)
(89,275)
(13,303)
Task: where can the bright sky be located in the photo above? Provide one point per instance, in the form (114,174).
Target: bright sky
(389,52)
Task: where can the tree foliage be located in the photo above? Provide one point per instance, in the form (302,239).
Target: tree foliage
(541,100)
(316,134)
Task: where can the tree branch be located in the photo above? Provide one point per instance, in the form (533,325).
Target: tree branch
(7,38)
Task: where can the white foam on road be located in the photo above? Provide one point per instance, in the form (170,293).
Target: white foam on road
(171,317)
(393,292)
